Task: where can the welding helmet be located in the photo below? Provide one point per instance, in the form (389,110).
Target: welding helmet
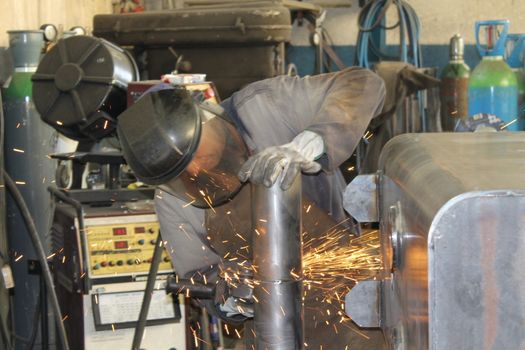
(184,146)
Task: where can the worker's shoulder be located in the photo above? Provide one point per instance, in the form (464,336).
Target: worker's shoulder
(261,89)
(359,72)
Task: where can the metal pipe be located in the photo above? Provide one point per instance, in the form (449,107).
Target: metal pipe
(278,316)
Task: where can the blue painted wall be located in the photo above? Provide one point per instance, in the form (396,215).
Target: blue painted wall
(433,56)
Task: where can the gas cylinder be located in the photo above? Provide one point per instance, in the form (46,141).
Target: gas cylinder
(28,142)
(514,52)
(454,86)
(493,87)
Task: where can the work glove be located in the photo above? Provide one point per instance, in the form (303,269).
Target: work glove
(237,306)
(284,162)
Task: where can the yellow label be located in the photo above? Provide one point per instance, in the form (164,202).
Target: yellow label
(123,248)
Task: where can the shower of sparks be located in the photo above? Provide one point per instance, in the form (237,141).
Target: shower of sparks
(332,264)
(238,334)
(368,135)
(336,267)
(188,204)
(508,124)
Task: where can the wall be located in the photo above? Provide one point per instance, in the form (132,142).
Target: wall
(30,14)
(440,19)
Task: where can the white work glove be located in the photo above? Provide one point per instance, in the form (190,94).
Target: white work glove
(234,306)
(286,160)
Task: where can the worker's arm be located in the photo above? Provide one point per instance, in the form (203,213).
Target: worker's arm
(339,108)
(181,225)
(320,118)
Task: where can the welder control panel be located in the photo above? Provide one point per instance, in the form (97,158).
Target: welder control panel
(123,245)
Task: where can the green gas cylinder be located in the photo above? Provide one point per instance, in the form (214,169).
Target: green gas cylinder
(493,87)
(27,143)
(454,86)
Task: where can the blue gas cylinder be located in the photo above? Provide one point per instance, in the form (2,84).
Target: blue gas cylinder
(493,87)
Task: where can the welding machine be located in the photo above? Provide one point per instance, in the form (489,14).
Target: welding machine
(103,235)
(102,246)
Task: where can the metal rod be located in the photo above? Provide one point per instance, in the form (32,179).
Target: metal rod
(278,318)
(148,293)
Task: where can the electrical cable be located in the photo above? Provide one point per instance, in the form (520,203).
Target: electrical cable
(372,18)
(5,333)
(39,249)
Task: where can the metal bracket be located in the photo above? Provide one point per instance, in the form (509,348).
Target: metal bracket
(360,198)
(362,304)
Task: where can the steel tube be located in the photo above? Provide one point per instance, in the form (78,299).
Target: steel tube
(278,318)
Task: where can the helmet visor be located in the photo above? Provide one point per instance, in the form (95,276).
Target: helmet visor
(210,178)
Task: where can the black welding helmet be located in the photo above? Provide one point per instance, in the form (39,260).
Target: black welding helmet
(173,141)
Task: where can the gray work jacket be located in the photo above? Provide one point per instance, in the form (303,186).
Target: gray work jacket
(338,106)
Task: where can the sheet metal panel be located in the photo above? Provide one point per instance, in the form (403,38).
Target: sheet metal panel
(451,206)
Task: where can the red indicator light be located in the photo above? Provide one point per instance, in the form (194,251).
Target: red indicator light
(119,231)
(121,244)
(140,230)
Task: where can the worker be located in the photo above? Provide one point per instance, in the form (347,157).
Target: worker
(200,157)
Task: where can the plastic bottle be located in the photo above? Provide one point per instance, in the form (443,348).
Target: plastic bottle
(454,86)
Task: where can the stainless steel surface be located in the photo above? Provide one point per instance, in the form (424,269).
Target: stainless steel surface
(277,260)
(453,206)
(360,198)
(476,259)
(362,304)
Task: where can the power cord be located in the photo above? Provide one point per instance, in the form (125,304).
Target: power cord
(372,17)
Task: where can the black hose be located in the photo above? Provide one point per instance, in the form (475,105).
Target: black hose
(378,22)
(5,333)
(39,249)
(152,276)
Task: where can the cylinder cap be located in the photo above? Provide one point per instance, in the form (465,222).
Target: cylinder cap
(457,47)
